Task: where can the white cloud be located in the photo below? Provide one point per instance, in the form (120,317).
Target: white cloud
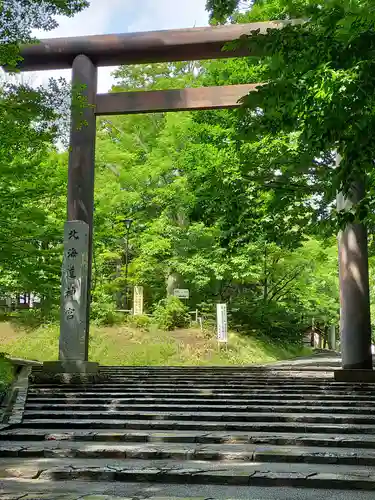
(91,21)
(161,15)
(121,16)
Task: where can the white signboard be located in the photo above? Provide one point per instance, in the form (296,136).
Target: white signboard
(181,293)
(222,323)
(138,301)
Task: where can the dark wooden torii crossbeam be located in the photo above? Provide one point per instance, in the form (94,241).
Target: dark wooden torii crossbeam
(84,55)
(157,101)
(190,44)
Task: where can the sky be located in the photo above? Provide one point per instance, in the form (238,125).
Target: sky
(122,16)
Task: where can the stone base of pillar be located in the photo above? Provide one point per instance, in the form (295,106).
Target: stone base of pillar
(67,372)
(75,366)
(364,376)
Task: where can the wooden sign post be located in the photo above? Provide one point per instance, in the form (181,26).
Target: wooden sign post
(138,301)
(222,324)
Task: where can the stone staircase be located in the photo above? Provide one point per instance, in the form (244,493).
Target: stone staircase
(144,432)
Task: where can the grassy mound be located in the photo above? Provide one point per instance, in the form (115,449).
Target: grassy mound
(123,345)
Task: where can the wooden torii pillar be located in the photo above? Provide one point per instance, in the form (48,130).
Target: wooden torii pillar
(84,55)
(355,319)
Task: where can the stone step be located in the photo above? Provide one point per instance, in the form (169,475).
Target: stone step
(124,383)
(206,397)
(196,390)
(194,424)
(179,451)
(251,368)
(244,369)
(240,379)
(215,437)
(154,426)
(303,369)
(313,372)
(22,489)
(105,400)
(268,377)
(44,494)
(223,368)
(282,385)
(237,386)
(269,367)
(290,377)
(253,374)
(202,416)
(248,408)
(263,370)
(229,370)
(192,472)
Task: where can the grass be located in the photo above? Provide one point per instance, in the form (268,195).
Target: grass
(6,376)
(123,345)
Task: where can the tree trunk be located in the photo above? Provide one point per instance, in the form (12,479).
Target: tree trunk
(265,281)
(174,280)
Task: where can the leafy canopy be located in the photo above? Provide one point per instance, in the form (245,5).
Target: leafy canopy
(32,175)
(317,74)
(19,17)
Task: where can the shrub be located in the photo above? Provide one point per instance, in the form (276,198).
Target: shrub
(275,321)
(103,309)
(104,313)
(171,313)
(31,319)
(142,322)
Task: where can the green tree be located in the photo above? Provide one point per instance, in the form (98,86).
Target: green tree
(201,213)
(318,74)
(19,17)
(32,174)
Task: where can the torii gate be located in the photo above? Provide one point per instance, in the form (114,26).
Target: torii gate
(84,55)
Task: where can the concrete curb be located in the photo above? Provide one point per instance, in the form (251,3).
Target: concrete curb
(23,362)
(15,399)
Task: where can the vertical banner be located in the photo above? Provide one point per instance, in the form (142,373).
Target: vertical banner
(74,291)
(138,301)
(222,323)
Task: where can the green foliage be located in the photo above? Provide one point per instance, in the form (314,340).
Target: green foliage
(293,288)
(171,313)
(142,322)
(221,9)
(237,206)
(30,319)
(19,17)
(204,214)
(32,174)
(6,375)
(317,73)
(126,346)
(103,310)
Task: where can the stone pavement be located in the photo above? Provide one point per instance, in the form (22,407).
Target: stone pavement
(282,432)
